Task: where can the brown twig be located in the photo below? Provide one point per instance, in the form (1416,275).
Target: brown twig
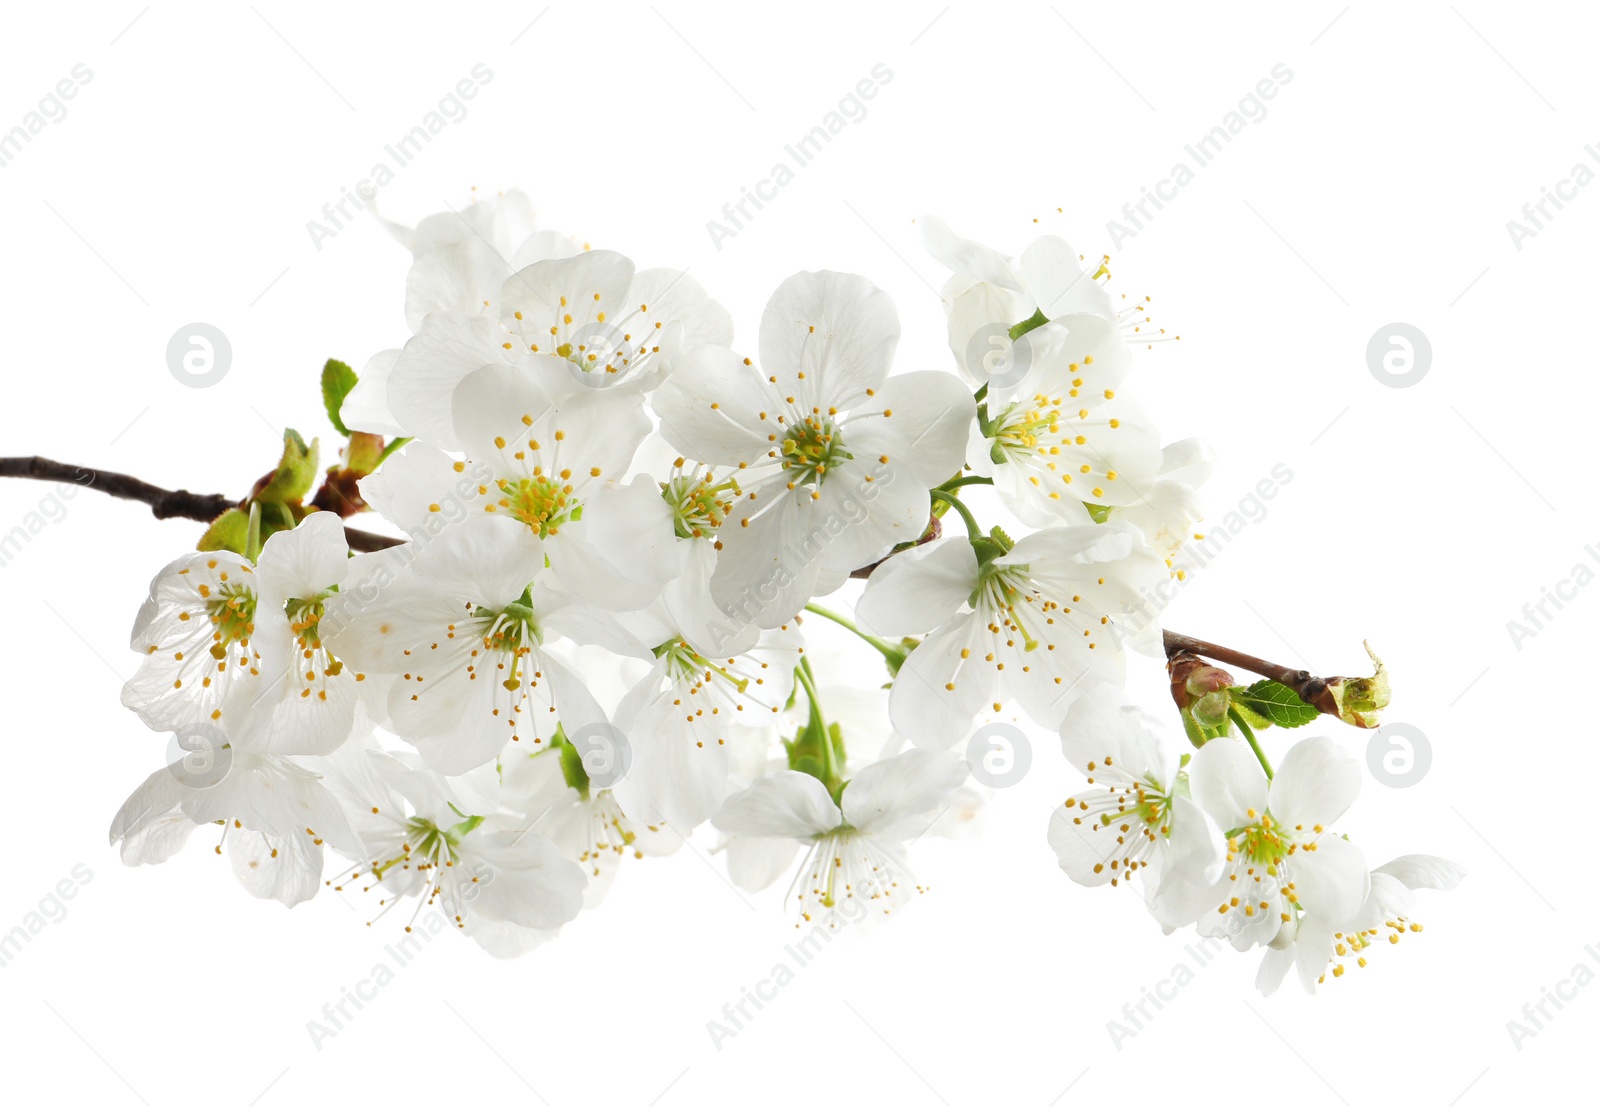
(162,502)
(1309,687)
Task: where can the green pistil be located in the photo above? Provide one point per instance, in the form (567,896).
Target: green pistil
(698,508)
(514,631)
(304,616)
(1151,810)
(997,587)
(233,613)
(542,503)
(690,665)
(810,448)
(429,844)
(1262,843)
(1022,434)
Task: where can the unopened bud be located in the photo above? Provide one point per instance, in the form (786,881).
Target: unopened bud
(1358,699)
(1200,689)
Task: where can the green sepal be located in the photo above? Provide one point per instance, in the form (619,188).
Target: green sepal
(229,532)
(572,770)
(295,473)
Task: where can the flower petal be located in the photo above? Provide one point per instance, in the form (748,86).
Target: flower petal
(919,589)
(1226,780)
(1316,783)
(787,804)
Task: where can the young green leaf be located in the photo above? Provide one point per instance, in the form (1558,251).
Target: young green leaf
(1274,701)
(337,382)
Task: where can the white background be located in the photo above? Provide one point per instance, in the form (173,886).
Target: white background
(1376,189)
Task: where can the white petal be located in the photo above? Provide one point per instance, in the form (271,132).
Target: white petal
(828,338)
(1330,880)
(787,804)
(965,257)
(1227,781)
(1424,871)
(920,421)
(287,870)
(919,589)
(898,798)
(366,407)
(711,408)
(1059,283)
(1316,783)
(303,562)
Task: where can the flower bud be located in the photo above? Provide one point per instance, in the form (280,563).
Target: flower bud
(1358,699)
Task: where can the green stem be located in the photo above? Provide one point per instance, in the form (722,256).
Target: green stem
(965,481)
(818,721)
(960,508)
(1250,737)
(981,393)
(882,645)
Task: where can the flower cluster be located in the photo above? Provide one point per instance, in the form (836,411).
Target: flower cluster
(601,629)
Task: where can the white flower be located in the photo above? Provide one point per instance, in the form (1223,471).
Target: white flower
(463,629)
(611,324)
(717,686)
(504,220)
(275,816)
(509,890)
(836,458)
(1309,944)
(857,847)
(1034,623)
(201,632)
(1282,858)
(554,468)
(1068,439)
(238,645)
(1136,817)
(462,258)
(1049,278)
(1170,507)
(307,702)
(551,791)
(574,325)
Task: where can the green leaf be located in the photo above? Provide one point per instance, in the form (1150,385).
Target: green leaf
(229,532)
(296,471)
(337,382)
(1270,700)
